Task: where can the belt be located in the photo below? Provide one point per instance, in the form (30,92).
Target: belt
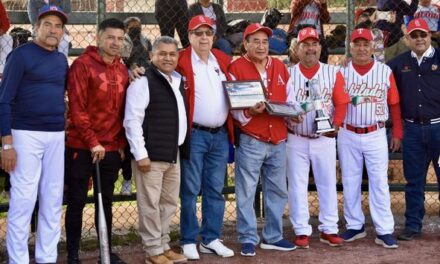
(299,135)
(211,130)
(365,130)
(423,121)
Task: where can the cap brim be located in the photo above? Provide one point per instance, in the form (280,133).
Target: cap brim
(421,29)
(310,37)
(266,30)
(199,25)
(361,37)
(62,16)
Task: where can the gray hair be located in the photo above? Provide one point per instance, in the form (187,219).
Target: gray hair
(164,40)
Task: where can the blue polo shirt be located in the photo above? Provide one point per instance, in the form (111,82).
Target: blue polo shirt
(419,86)
(32,90)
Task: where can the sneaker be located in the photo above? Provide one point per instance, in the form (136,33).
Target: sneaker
(126,187)
(175,257)
(190,251)
(332,240)
(408,235)
(247,249)
(302,241)
(387,241)
(352,234)
(158,259)
(282,245)
(216,246)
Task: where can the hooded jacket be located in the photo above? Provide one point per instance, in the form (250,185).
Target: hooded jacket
(96,92)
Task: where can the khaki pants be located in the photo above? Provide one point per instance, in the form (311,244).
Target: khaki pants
(157,196)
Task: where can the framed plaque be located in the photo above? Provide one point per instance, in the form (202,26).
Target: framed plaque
(244,94)
(283,109)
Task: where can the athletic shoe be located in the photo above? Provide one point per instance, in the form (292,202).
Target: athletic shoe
(352,234)
(408,235)
(247,249)
(282,245)
(302,241)
(387,241)
(216,246)
(126,187)
(190,251)
(175,257)
(158,259)
(332,240)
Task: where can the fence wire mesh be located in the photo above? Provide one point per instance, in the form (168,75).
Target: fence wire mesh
(164,16)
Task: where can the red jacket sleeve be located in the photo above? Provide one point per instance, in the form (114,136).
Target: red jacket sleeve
(4,19)
(77,94)
(340,100)
(394,106)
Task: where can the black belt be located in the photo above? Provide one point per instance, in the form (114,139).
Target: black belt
(211,130)
(423,121)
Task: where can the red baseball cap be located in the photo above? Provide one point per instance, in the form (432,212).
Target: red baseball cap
(361,33)
(252,28)
(418,24)
(52,10)
(307,33)
(358,13)
(199,21)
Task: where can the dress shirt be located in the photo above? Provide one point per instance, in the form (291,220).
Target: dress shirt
(427,54)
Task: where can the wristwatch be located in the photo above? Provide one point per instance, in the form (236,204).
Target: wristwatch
(7,146)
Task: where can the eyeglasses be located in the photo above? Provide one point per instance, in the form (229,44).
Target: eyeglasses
(415,35)
(199,33)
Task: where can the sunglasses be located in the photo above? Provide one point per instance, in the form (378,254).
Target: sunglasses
(200,33)
(415,35)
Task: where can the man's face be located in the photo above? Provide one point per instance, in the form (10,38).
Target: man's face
(361,51)
(49,31)
(110,41)
(257,46)
(201,39)
(165,57)
(309,51)
(419,41)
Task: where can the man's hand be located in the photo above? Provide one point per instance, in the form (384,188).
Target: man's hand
(297,119)
(122,153)
(395,144)
(331,134)
(8,159)
(98,153)
(257,109)
(144,165)
(136,72)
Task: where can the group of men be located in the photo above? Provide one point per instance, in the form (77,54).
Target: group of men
(179,127)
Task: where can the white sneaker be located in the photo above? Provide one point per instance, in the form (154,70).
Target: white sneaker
(190,251)
(126,187)
(217,247)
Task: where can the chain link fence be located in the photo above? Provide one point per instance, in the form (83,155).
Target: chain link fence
(341,15)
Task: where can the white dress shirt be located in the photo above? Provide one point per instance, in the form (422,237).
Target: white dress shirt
(427,54)
(210,106)
(138,98)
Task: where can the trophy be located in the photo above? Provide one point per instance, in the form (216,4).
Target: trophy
(322,119)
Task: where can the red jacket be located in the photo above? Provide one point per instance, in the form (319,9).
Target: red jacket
(96,92)
(185,69)
(263,126)
(4,19)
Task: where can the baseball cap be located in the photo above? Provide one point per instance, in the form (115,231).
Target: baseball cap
(254,27)
(52,10)
(307,33)
(199,21)
(361,33)
(418,24)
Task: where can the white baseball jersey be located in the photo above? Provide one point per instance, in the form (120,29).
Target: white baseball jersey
(368,94)
(310,16)
(298,92)
(430,14)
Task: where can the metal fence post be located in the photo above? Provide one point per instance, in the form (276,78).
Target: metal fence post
(100,14)
(350,25)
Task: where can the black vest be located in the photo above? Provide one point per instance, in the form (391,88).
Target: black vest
(161,123)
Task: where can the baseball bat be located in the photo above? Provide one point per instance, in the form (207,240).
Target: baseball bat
(102,225)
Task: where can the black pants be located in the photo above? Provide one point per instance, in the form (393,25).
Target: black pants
(126,165)
(171,15)
(79,168)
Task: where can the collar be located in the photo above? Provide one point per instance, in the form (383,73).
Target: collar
(429,53)
(268,63)
(195,56)
(174,75)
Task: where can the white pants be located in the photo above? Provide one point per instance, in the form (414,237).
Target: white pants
(353,149)
(39,172)
(321,153)
(6,43)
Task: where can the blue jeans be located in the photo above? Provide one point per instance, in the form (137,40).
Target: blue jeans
(204,172)
(251,158)
(223,45)
(421,145)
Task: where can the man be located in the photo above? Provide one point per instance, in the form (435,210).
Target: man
(33,137)
(306,147)
(173,15)
(204,69)
(374,97)
(417,79)
(96,91)
(157,98)
(262,146)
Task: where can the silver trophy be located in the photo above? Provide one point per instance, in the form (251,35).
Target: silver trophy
(322,118)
